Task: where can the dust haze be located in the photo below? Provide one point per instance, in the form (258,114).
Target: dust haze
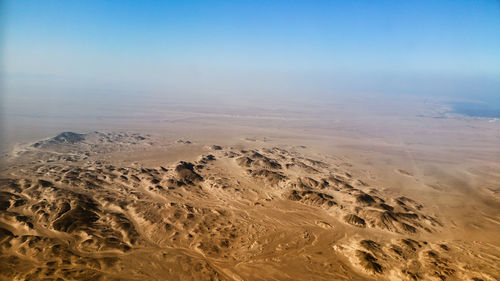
(250,140)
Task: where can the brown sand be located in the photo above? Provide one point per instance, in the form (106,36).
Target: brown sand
(269,197)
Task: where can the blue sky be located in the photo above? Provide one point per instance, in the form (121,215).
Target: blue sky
(252,47)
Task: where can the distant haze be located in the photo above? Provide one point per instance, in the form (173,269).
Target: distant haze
(71,52)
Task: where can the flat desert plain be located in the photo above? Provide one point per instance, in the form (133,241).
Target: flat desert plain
(359,190)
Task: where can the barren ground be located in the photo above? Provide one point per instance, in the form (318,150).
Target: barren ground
(232,193)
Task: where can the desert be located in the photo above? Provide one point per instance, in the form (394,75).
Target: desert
(250,140)
(125,205)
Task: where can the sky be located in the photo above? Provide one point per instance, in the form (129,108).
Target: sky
(104,49)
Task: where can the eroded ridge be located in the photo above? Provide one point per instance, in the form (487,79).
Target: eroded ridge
(214,218)
(410,259)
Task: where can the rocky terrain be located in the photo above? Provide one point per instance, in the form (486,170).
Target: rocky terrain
(69,212)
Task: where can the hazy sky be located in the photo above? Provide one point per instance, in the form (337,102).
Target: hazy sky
(211,48)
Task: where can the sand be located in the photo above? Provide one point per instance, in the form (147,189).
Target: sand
(294,195)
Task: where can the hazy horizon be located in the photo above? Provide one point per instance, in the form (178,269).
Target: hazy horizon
(250,140)
(85,50)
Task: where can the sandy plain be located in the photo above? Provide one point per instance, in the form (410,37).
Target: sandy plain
(359,190)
